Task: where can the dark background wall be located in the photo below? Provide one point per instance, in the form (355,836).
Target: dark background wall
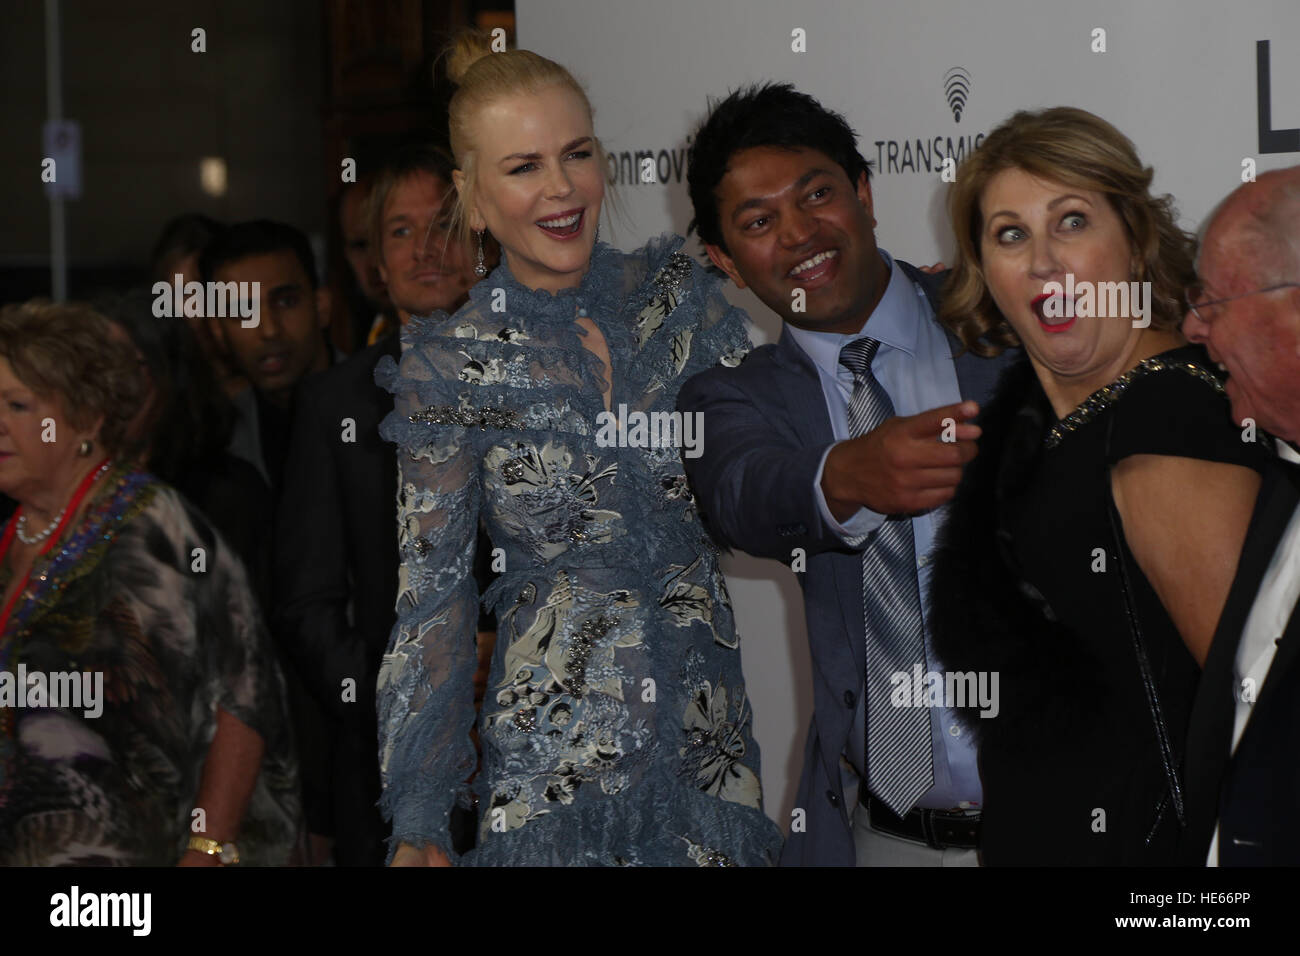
(150,109)
(285,90)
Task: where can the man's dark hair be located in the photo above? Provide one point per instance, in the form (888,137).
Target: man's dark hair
(771,114)
(257,238)
(186,235)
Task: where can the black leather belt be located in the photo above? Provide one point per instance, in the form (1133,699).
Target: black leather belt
(941,829)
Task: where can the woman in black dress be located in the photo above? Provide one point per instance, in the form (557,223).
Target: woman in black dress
(1090,547)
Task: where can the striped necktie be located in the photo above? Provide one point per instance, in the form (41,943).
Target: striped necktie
(900,764)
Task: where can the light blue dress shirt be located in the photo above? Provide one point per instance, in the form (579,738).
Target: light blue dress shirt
(914,365)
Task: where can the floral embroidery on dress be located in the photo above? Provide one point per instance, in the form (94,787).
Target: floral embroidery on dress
(733,357)
(562,695)
(715,745)
(702,855)
(507,334)
(491,372)
(670,288)
(685,600)
(608,581)
(680,350)
(550,504)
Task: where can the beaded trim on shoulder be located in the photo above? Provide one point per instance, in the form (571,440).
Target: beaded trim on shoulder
(1108,395)
(466,417)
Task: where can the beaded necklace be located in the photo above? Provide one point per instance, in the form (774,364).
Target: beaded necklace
(52,535)
(96,532)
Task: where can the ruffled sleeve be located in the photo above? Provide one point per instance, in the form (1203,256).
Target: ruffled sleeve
(425,688)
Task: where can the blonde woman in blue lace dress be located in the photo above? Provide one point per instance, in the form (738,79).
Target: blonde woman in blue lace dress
(616,729)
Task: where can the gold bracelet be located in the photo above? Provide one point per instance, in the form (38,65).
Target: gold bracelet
(226,853)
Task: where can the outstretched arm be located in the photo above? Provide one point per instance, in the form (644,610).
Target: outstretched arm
(759,490)
(754,486)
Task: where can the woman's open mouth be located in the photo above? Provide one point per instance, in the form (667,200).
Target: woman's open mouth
(1054,311)
(564,226)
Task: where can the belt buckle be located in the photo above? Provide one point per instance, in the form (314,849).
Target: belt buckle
(948,827)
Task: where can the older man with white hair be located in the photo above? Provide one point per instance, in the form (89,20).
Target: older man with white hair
(1242,766)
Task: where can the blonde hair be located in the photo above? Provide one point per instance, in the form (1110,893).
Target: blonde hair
(1076,148)
(482,77)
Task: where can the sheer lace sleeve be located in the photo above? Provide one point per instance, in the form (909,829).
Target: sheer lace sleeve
(425,689)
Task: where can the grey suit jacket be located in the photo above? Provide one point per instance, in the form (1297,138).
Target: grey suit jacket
(767,426)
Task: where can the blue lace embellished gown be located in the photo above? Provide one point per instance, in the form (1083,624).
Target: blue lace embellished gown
(615,728)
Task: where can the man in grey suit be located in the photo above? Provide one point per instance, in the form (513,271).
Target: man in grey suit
(831,451)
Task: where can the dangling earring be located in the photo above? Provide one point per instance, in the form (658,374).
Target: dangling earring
(480,267)
(85,448)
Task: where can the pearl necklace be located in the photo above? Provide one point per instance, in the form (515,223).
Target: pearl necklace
(49,529)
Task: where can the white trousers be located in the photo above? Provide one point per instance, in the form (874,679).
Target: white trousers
(884,849)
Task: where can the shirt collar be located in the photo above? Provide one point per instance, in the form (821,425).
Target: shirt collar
(895,322)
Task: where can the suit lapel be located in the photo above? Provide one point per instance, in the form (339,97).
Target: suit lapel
(976,376)
(1209,733)
(802,389)
(1274,518)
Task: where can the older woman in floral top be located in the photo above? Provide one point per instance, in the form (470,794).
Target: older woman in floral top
(141,714)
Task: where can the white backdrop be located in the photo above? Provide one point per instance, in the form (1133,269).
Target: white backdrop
(1179,77)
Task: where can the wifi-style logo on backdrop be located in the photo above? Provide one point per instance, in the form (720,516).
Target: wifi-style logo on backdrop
(956,87)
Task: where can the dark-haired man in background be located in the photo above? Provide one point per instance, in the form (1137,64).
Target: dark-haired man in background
(829,442)
(286,344)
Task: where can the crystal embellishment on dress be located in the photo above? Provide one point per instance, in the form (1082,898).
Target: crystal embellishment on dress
(1108,395)
(706,855)
(466,417)
(675,487)
(575,665)
(669,282)
(513,470)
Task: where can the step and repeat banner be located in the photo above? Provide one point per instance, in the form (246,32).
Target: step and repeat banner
(1207,89)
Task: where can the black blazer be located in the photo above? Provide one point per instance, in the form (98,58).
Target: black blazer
(336,535)
(1253,793)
